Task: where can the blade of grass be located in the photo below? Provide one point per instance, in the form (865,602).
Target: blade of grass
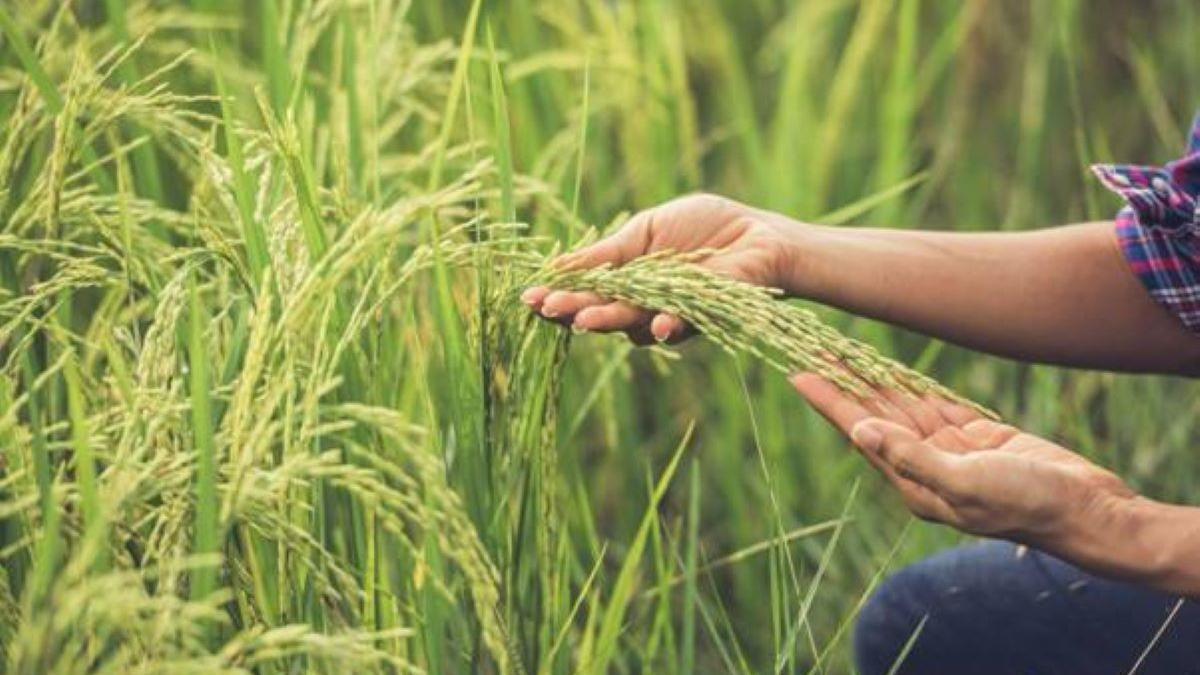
(845,91)
(899,107)
(872,584)
(786,654)
(849,212)
(908,645)
(753,550)
(257,252)
(687,655)
(50,94)
(85,463)
(622,592)
(560,638)
(584,113)
(41,456)
(456,353)
(149,175)
(207,537)
(17,42)
(299,172)
(457,81)
(274,56)
(504,158)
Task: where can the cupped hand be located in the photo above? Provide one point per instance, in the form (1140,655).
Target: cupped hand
(953,466)
(751,245)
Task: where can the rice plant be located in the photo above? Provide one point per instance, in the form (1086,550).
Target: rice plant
(742,317)
(268,403)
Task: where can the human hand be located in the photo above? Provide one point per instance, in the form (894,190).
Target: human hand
(953,466)
(751,245)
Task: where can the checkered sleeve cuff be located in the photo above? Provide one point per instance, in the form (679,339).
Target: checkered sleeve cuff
(1159,229)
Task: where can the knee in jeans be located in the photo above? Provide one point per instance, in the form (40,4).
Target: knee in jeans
(888,619)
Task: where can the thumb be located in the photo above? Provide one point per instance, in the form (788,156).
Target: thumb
(608,251)
(618,248)
(872,433)
(910,457)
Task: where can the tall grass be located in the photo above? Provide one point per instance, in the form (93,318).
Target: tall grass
(267,403)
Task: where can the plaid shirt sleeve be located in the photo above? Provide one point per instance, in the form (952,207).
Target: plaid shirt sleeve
(1159,229)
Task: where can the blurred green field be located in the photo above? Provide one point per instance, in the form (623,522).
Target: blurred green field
(268,402)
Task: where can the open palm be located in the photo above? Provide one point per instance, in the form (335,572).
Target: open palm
(953,466)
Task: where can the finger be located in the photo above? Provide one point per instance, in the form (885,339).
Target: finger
(910,458)
(918,499)
(613,316)
(924,417)
(882,407)
(953,439)
(534,295)
(883,467)
(669,328)
(924,504)
(954,413)
(989,432)
(562,306)
(842,410)
(876,403)
(616,249)
(607,251)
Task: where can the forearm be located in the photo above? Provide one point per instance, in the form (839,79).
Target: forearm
(1138,540)
(1062,295)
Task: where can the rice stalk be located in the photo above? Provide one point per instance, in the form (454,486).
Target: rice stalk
(746,319)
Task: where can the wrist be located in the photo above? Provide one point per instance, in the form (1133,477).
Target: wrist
(1135,539)
(805,253)
(1166,552)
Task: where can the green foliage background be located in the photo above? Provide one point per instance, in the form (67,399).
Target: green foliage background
(261,306)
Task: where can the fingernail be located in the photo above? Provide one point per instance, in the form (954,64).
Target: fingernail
(549,312)
(660,331)
(529,296)
(866,436)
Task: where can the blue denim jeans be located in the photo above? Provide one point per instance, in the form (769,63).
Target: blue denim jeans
(996,608)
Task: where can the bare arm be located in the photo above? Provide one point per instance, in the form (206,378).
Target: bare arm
(1062,295)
